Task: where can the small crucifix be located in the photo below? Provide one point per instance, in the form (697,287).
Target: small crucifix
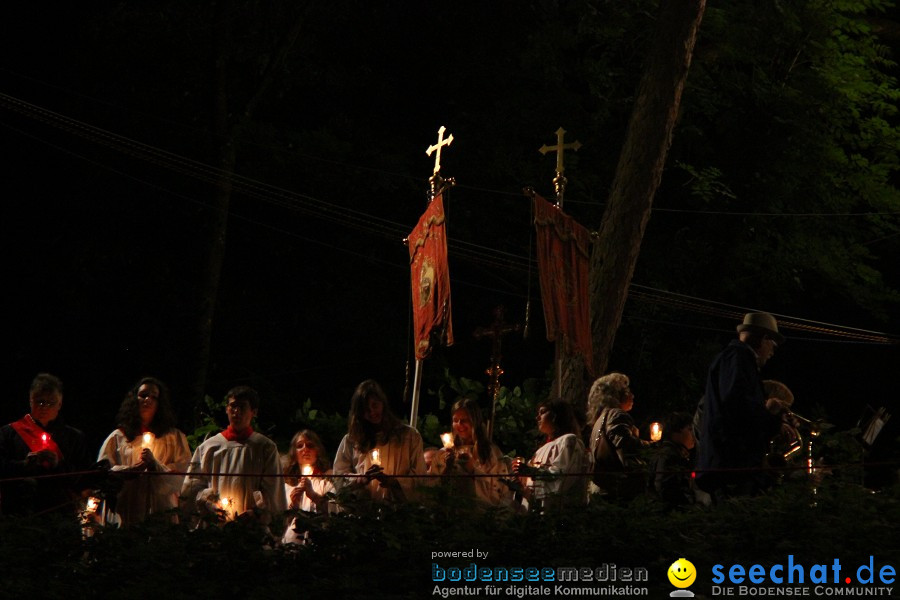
(435,180)
(559,182)
(496,331)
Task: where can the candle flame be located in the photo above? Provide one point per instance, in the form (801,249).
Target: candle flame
(306,470)
(45,438)
(148,439)
(92,504)
(655,432)
(447,440)
(376,457)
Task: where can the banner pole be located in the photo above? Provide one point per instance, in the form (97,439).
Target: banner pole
(414,410)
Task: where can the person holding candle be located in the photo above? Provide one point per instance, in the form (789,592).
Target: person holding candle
(40,443)
(237,465)
(469,451)
(379,446)
(672,464)
(556,476)
(305,488)
(614,441)
(145,444)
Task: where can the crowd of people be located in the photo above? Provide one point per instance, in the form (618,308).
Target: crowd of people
(146,467)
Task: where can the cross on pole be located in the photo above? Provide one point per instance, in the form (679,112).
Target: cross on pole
(559,182)
(495,332)
(441,142)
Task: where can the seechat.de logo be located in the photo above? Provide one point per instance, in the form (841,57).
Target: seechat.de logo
(682,574)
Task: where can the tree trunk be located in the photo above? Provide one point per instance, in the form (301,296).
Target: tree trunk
(639,170)
(227,135)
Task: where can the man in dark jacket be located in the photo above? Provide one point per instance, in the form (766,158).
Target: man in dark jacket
(738,420)
(35,453)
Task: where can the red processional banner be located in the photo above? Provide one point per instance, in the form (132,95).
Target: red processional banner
(563,254)
(430,278)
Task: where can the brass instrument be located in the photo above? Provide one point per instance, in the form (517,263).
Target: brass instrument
(796,443)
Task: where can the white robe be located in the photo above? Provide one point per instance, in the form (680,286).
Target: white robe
(321,486)
(558,457)
(238,471)
(148,492)
(398,457)
(487,489)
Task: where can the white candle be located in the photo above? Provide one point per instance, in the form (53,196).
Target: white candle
(226,504)
(376,457)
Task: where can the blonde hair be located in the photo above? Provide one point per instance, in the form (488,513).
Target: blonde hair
(606,392)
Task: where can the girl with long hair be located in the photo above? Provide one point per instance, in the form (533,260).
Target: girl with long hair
(473,453)
(379,446)
(304,487)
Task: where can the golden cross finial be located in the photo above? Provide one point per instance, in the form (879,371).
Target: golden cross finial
(559,182)
(441,142)
(560,147)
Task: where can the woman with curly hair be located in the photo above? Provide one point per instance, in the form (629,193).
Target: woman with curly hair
(146,443)
(614,441)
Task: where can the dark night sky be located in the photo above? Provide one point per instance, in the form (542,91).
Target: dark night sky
(98,245)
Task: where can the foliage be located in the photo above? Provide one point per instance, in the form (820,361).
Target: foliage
(516,432)
(514,429)
(330,427)
(386,552)
(209,421)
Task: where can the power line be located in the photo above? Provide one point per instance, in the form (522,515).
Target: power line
(347,217)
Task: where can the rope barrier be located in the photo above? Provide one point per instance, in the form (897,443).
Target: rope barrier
(762,469)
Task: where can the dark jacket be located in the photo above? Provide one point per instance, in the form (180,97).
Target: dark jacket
(735,426)
(39,494)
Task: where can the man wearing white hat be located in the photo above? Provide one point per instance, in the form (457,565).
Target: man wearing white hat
(738,420)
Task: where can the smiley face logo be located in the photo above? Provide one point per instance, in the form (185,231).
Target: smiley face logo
(682,573)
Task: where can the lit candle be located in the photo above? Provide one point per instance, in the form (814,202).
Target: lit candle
(306,470)
(45,440)
(226,504)
(447,440)
(376,457)
(147,440)
(655,432)
(92,504)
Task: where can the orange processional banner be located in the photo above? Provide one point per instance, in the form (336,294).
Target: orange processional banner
(430,278)
(563,253)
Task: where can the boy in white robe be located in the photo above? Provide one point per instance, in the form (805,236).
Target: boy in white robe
(237,472)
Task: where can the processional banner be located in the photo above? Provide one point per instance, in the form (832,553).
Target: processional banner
(430,278)
(563,252)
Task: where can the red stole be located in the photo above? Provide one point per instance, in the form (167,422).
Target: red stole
(232,435)
(35,437)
